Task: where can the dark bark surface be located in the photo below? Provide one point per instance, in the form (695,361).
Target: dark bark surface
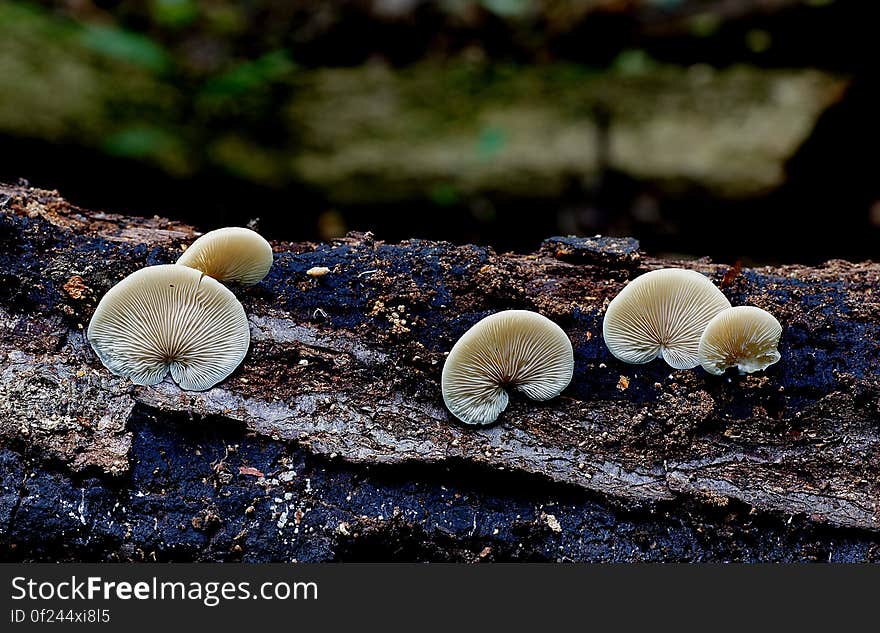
(331,441)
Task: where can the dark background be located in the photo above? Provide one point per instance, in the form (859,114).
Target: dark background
(736,129)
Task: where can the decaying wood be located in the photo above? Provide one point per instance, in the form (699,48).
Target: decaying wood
(343,378)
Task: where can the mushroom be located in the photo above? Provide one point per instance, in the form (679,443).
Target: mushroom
(173,318)
(230,254)
(744,337)
(515,349)
(662,313)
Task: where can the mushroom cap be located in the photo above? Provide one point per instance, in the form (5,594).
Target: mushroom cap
(514,348)
(662,313)
(230,254)
(744,337)
(173,318)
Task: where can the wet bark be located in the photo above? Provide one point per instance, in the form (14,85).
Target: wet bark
(331,441)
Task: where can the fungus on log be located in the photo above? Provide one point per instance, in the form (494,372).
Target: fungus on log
(662,314)
(231,254)
(331,441)
(511,349)
(170,319)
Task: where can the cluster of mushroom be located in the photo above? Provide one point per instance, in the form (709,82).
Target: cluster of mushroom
(180,318)
(678,315)
(682,317)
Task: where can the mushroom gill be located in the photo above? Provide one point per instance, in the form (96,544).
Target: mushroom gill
(515,349)
(744,337)
(662,313)
(170,318)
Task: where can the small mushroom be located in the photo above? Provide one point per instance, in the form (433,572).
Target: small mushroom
(173,318)
(515,349)
(230,254)
(744,337)
(662,314)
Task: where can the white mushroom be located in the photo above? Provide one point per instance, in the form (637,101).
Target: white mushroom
(662,313)
(170,318)
(515,349)
(230,254)
(744,337)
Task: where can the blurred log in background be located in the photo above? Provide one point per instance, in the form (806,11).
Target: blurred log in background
(734,129)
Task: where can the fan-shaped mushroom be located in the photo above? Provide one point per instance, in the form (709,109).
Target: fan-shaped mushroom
(230,254)
(744,337)
(662,313)
(173,318)
(515,349)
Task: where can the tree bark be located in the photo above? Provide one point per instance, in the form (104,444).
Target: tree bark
(331,441)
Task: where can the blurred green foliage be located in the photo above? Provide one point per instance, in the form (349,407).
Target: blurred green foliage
(174,13)
(705,24)
(139,142)
(491,142)
(508,8)
(133,95)
(272,67)
(191,86)
(633,62)
(124,46)
(444,195)
(154,144)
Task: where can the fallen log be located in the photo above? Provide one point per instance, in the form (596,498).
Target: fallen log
(331,441)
